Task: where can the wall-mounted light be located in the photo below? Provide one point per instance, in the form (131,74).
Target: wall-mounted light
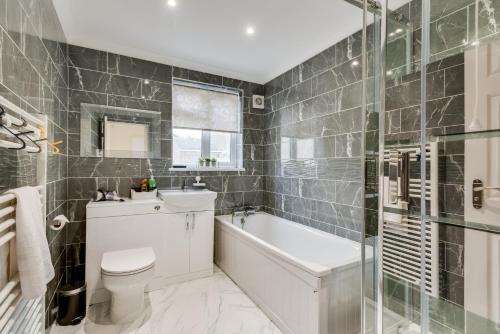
(172,3)
(355,63)
(146,82)
(399,30)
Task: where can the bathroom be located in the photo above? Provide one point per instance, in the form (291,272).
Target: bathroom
(249,167)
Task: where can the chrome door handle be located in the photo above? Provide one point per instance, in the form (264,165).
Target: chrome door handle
(187,222)
(194,221)
(477,193)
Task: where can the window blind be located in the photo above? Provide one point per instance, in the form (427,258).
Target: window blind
(203,108)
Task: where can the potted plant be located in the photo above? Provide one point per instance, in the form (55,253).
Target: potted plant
(214,162)
(207,162)
(201,161)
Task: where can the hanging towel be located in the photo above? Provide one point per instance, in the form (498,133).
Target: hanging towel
(32,249)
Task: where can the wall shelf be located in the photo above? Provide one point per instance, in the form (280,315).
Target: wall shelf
(447,221)
(466,136)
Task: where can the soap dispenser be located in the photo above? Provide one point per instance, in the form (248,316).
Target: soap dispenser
(151,184)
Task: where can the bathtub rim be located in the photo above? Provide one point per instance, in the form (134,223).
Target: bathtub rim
(314,269)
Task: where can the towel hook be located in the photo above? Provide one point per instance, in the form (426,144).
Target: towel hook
(17,135)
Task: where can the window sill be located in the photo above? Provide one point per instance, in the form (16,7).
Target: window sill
(206,169)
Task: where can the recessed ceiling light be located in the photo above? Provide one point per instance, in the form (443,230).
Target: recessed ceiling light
(355,63)
(146,82)
(172,3)
(250,30)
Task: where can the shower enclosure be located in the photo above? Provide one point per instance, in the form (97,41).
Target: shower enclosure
(431,143)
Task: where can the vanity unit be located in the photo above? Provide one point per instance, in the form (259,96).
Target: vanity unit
(178,227)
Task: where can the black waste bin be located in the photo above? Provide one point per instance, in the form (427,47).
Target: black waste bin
(72,303)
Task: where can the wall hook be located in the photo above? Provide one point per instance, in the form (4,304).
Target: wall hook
(57,150)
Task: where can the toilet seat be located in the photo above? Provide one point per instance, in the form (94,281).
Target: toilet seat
(127,262)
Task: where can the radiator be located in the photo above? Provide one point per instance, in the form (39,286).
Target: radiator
(401,241)
(17,315)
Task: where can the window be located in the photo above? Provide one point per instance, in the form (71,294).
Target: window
(206,122)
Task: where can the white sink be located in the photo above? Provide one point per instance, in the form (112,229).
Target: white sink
(191,200)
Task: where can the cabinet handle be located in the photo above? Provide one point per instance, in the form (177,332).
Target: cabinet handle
(187,222)
(194,221)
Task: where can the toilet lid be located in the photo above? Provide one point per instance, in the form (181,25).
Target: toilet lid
(128,261)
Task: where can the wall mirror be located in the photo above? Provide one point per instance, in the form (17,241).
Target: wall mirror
(114,132)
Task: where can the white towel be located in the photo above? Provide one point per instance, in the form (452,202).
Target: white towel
(32,249)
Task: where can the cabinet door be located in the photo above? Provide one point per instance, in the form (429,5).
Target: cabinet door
(202,241)
(174,259)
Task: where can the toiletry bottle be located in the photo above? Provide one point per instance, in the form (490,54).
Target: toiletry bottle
(152,184)
(144,185)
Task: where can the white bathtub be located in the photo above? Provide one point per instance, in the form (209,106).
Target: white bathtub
(307,281)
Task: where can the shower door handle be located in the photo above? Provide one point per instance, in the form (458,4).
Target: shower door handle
(477,193)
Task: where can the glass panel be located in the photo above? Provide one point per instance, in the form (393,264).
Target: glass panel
(186,146)
(220,146)
(462,123)
(401,246)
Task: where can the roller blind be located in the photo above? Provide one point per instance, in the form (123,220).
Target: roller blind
(200,107)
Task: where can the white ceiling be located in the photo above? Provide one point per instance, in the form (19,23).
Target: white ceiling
(209,35)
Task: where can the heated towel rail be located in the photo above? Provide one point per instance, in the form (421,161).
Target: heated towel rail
(401,242)
(18,315)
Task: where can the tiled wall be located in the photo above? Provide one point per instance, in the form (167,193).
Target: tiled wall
(103,78)
(33,75)
(312,148)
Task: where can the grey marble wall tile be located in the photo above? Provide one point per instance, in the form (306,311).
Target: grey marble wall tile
(348,145)
(348,193)
(454,80)
(183,73)
(76,97)
(348,48)
(104,167)
(73,123)
(229,200)
(241,183)
(158,91)
(448,111)
(317,64)
(323,190)
(77,210)
(139,68)
(93,81)
(324,147)
(87,58)
(448,32)
(85,188)
(126,86)
(248,88)
(75,232)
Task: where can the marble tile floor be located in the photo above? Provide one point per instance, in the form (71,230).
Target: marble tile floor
(213,305)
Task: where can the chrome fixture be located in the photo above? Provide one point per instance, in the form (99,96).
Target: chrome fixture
(244,212)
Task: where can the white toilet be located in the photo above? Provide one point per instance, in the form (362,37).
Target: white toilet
(125,274)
